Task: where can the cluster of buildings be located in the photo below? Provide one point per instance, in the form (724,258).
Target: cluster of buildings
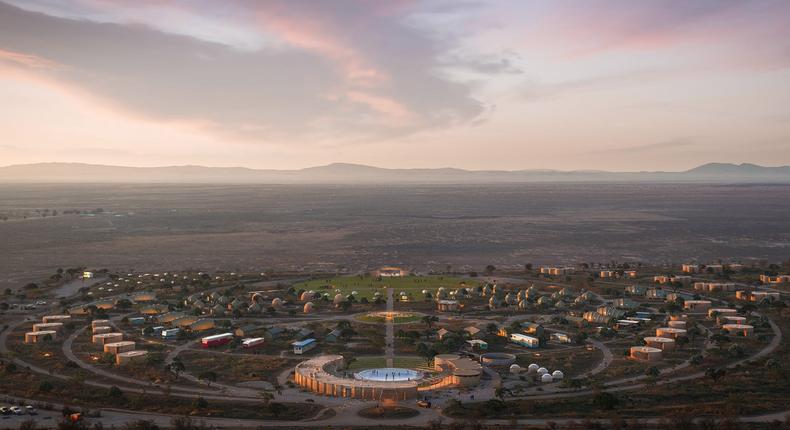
(775,279)
(112,342)
(556,271)
(48,329)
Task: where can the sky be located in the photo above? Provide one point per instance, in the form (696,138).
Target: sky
(556,84)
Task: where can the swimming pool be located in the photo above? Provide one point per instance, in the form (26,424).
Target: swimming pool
(385,374)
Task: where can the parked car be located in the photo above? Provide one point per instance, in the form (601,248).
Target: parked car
(31,410)
(4,410)
(424,404)
(16,410)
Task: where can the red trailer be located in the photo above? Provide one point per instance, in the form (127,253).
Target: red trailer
(216,340)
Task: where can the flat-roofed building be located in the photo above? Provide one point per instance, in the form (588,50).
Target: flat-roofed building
(54,326)
(524,340)
(677,324)
(697,305)
(102,329)
(40,336)
(105,338)
(303,346)
(744,330)
(775,279)
(645,353)
(690,268)
(670,332)
(730,319)
(556,271)
(117,347)
(100,323)
(129,357)
(712,312)
(56,318)
(758,296)
(662,343)
(447,305)
(714,287)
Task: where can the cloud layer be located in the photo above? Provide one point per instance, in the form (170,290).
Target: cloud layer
(480,84)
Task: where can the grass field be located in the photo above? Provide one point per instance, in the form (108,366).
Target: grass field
(366,286)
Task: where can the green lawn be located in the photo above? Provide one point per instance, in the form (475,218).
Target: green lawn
(365,286)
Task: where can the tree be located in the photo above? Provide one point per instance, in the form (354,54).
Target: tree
(45,387)
(209,376)
(276,409)
(28,424)
(429,320)
(652,372)
(605,401)
(176,367)
(715,374)
(200,403)
(266,397)
(115,392)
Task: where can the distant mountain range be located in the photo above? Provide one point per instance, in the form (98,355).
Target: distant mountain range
(355,173)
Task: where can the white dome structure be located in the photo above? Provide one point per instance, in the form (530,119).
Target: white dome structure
(425,291)
(308,307)
(277,302)
(557,374)
(543,371)
(516,369)
(338,299)
(546,378)
(532,368)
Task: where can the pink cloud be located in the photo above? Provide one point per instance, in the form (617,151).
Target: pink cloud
(26,60)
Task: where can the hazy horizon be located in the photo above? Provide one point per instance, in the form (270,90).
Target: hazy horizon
(643,86)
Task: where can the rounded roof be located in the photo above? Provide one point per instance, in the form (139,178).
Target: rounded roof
(659,339)
(132,353)
(121,343)
(447,356)
(736,326)
(645,349)
(672,330)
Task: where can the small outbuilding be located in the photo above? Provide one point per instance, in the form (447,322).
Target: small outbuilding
(129,357)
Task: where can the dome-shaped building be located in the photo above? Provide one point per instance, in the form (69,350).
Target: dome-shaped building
(516,369)
(557,375)
(543,371)
(308,307)
(532,368)
(546,378)
(277,302)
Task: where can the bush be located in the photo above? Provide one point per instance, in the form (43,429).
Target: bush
(45,387)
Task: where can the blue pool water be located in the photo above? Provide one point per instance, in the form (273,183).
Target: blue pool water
(388,374)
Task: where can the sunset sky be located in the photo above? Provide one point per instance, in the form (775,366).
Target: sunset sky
(614,85)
